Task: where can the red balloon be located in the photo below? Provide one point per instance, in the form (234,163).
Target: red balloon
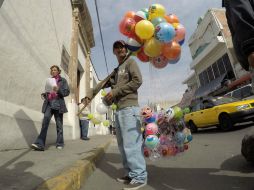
(159,62)
(142,56)
(127,26)
(171,50)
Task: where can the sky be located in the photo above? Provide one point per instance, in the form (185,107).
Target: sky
(158,84)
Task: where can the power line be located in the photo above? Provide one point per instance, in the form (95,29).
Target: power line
(98,17)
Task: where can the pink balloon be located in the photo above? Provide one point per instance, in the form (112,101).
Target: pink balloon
(180,33)
(151,129)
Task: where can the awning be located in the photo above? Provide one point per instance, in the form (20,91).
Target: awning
(210,87)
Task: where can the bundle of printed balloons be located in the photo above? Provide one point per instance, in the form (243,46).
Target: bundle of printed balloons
(165,134)
(153,35)
(101,109)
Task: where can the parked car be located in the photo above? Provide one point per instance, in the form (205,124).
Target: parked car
(242,93)
(221,111)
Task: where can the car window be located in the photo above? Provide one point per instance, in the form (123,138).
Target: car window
(228,94)
(223,100)
(237,94)
(207,104)
(196,107)
(246,91)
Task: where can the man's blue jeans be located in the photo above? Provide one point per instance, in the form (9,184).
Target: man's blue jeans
(129,139)
(84,124)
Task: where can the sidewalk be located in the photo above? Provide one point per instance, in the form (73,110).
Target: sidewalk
(52,169)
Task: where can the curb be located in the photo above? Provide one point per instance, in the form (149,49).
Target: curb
(77,174)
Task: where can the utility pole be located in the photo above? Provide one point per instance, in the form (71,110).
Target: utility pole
(73,64)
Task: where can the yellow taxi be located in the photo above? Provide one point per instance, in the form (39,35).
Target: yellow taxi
(221,111)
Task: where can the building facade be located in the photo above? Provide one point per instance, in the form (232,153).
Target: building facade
(214,64)
(34,36)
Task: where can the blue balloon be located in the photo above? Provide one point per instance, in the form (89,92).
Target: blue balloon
(151,119)
(164,32)
(174,61)
(181,42)
(180,137)
(151,141)
(189,138)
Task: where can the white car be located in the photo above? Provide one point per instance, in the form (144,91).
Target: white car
(242,93)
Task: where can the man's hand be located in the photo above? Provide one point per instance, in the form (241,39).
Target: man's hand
(251,59)
(109,96)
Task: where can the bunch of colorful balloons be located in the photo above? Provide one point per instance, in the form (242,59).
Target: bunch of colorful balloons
(153,35)
(165,133)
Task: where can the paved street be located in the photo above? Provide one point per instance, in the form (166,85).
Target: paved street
(213,162)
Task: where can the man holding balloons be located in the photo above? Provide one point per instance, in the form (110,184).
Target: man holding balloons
(127,123)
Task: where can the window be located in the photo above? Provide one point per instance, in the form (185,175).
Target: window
(246,91)
(65,60)
(216,71)
(237,94)
(201,79)
(210,74)
(206,78)
(226,62)
(221,67)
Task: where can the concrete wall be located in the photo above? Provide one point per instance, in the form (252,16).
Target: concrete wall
(32,36)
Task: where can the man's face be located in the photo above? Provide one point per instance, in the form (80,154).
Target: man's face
(120,51)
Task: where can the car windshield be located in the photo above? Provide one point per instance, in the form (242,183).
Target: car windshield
(223,100)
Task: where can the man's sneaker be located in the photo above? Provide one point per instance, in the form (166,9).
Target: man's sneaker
(37,147)
(133,185)
(125,179)
(59,147)
(85,138)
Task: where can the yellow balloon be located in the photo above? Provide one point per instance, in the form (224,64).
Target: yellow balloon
(156,10)
(152,47)
(144,29)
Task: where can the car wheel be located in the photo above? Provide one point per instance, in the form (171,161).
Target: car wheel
(225,122)
(193,127)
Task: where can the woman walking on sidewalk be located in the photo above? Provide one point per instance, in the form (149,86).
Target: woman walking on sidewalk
(54,104)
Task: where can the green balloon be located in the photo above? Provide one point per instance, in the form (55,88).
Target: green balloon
(106,123)
(114,106)
(145,10)
(103,93)
(178,112)
(90,116)
(186,110)
(95,121)
(157,21)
